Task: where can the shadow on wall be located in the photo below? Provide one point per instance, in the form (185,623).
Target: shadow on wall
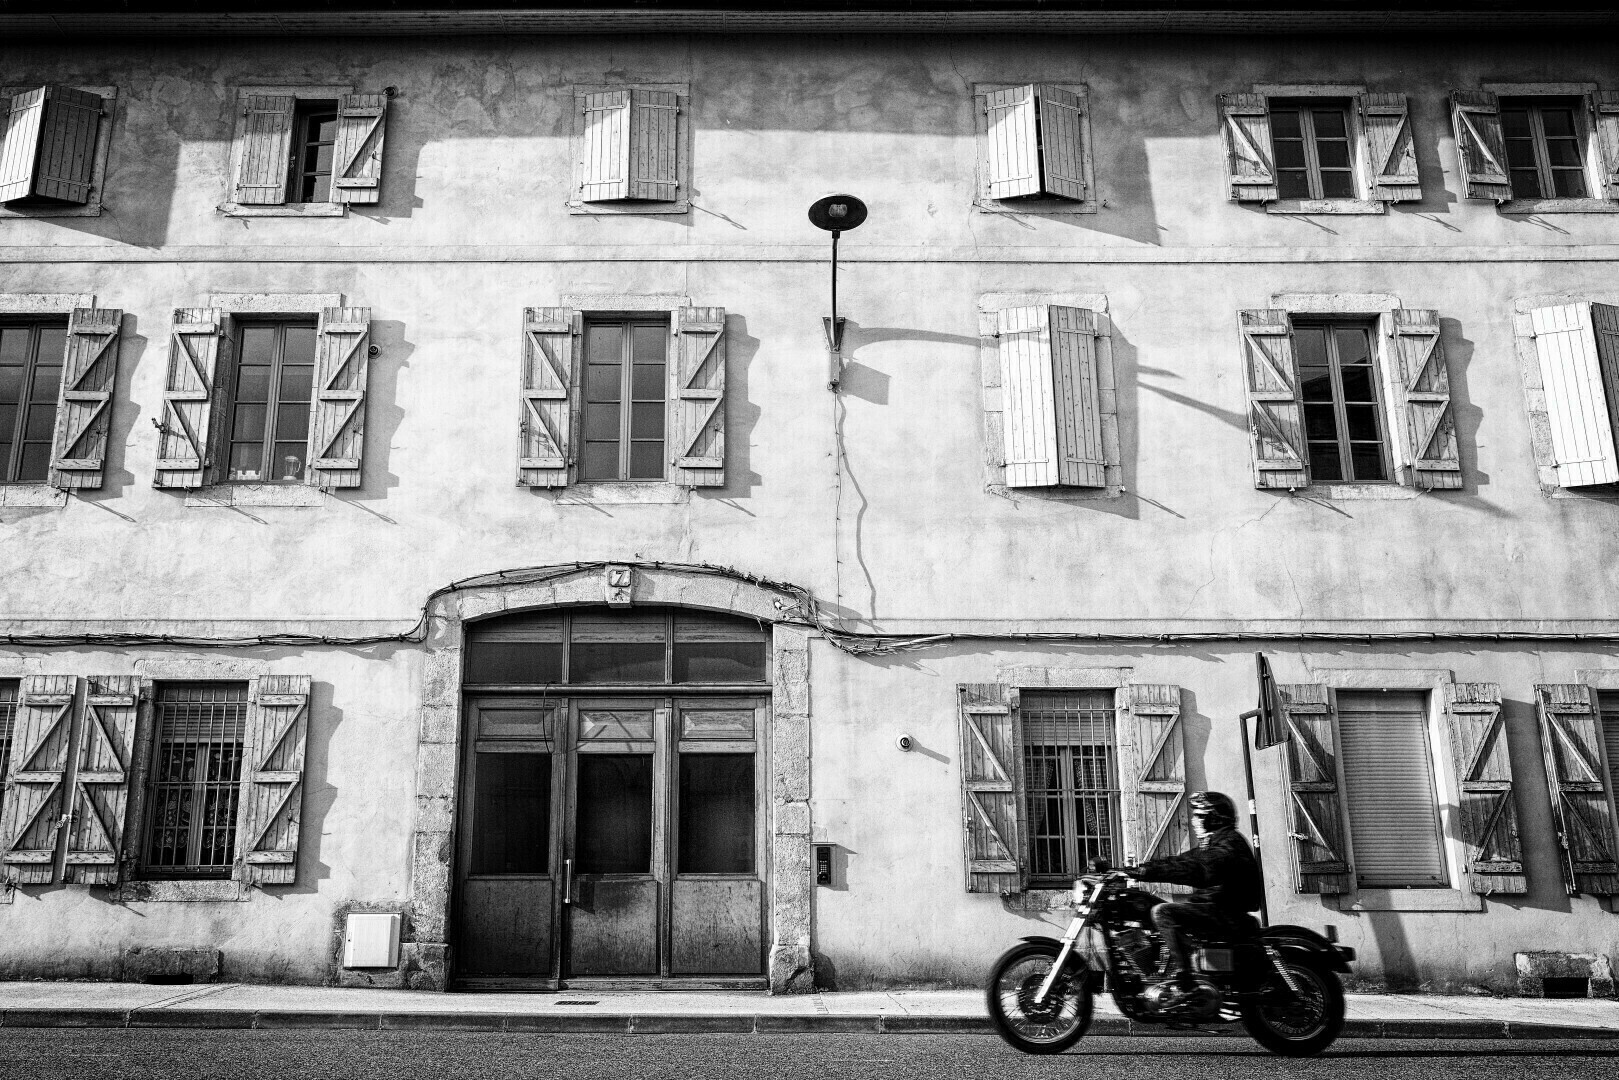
(1197,730)
(1537,829)
(383,414)
(741,414)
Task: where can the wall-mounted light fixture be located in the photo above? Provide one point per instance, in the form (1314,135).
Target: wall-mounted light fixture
(837,214)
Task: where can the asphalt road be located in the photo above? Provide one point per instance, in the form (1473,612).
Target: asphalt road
(45,1054)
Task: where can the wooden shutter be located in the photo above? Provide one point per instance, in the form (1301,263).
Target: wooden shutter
(1391,149)
(261,174)
(84,402)
(991,788)
(272,780)
(696,410)
(1570,737)
(1605,111)
(545,437)
(337,411)
(101,781)
(1578,349)
(1062,170)
(1014,143)
(604,161)
(19,144)
(49,145)
(653,145)
(1317,816)
(1245,119)
(196,359)
(33,808)
(1152,772)
(1481,147)
(1050,397)
(1275,410)
(362,121)
(1422,394)
(1489,813)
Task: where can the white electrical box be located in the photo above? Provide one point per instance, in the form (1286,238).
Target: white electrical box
(371,941)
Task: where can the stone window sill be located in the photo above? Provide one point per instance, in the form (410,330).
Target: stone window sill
(183,892)
(1034,204)
(1559,206)
(1360,492)
(257,495)
(1326,206)
(31,495)
(323,210)
(630,207)
(1410,900)
(622,494)
(1059,493)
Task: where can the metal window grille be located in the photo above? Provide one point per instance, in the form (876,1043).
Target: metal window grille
(195,780)
(1071,776)
(8,721)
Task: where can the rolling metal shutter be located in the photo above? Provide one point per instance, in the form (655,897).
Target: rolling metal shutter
(1389,791)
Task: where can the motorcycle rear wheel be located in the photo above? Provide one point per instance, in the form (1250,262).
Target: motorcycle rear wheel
(1051,1026)
(1297,1025)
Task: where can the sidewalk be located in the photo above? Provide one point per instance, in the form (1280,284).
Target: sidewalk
(233,1005)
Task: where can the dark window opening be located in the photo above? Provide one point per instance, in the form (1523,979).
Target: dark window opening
(1314,155)
(604,647)
(1545,148)
(512,814)
(1342,416)
(315,134)
(716,814)
(195,780)
(31,357)
(623,410)
(1071,768)
(8,724)
(614,819)
(269,417)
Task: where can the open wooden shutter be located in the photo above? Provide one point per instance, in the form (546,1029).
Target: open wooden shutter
(272,780)
(1570,737)
(337,411)
(49,145)
(604,164)
(19,143)
(1489,820)
(696,411)
(1391,149)
(654,147)
(1481,147)
(545,436)
(992,788)
(101,783)
(1014,143)
(1275,410)
(33,810)
(196,362)
(1152,772)
(84,403)
(362,121)
(1422,394)
(1317,825)
(1578,363)
(1062,170)
(261,175)
(1245,118)
(1605,113)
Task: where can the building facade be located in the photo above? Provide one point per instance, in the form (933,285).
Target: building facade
(425,498)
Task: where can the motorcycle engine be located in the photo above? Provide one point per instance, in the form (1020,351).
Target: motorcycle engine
(1201,1004)
(1141,947)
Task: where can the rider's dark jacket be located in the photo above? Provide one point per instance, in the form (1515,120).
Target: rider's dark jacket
(1221,871)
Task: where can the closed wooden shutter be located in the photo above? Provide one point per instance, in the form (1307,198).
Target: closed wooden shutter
(654,147)
(604,161)
(19,144)
(1078,400)
(1275,410)
(84,402)
(101,780)
(1062,171)
(696,408)
(1481,147)
(1152,773)
(1245,119)
(261,174)
(1422,387)
(544,438)
(197,344)
(1389,792)
(1391,149)
(1581,802)
(1574,358)
(1316,810)
(337,410)
(1014,143)
(272,782)
(33,810)
(1605,108)
(1050,397)
(991,788)
(1489,812)
(362,121)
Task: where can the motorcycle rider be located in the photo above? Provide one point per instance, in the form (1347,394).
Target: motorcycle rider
(1227,886)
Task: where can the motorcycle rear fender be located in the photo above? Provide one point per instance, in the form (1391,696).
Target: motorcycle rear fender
(1073,958)
(1307,941)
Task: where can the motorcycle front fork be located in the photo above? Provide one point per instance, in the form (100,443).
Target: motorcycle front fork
(1075,928)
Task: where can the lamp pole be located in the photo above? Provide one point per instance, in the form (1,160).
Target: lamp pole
(836,214)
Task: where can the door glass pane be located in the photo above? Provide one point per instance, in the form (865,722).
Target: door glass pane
(514,662)
(614,822)
(716,814)
(511,824)
(719,661)
(616,662)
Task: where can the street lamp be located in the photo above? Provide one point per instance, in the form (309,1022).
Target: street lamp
(836,214)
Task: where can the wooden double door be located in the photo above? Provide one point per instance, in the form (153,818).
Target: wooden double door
(612,838)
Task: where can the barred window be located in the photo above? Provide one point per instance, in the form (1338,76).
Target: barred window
(8,721)
(195,780)
(1070,763)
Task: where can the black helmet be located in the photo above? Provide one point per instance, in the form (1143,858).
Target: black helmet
(1213,810)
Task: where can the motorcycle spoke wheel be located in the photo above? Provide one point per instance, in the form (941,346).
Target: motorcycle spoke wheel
(1296,1023)
(1044,1027)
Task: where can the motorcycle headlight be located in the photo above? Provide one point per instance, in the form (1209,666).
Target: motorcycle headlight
(1081,891)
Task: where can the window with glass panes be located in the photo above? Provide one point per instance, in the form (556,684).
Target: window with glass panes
(1342,416)
(194,784)
(624,399)
(30,377)
(315,128)
(269,418)
(1311,141)
(8,724)
(1545,147)
(1071,777)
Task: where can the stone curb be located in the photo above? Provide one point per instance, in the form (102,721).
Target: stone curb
(725,1023)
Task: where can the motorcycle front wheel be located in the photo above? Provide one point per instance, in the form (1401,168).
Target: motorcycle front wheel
(1047,1027)
(1298,1024)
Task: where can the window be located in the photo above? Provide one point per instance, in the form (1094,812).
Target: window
(195,780)
(1034,151)
(315,132)
(306,151)
(1320,154)
(647,645)
(31,355)
(1070,767)
(8,723)
(1338,385)
(1312,147)
(632,148)
(1389,793)
(1552,151)
(269,418)
(1545,148)
(53,150)
(625,377)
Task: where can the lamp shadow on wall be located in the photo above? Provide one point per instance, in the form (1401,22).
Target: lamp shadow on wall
(1467,418)
(383,414)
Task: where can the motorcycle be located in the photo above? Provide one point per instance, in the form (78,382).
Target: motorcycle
(1280,981)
